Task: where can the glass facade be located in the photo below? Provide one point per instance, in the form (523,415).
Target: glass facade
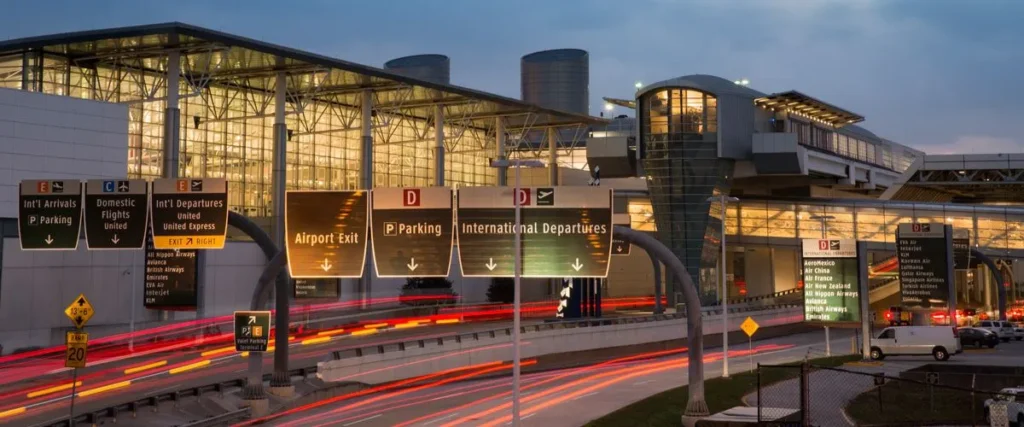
(679,134)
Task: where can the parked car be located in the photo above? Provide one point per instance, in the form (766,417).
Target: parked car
(1018,332)
(978,337)
(1014,407)
(938,341)
(1003,329)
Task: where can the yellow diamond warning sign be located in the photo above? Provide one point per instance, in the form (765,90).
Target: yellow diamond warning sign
(749,326)
(80,311)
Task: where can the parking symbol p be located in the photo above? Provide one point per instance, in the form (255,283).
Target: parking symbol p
(390,228)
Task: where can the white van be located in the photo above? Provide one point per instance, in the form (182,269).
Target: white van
(938,341)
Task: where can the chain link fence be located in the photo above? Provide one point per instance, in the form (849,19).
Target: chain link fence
(823,396)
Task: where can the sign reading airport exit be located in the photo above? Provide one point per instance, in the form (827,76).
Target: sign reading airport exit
(49,214)
(326,233)
(189,213)
(566,231)
(412,231)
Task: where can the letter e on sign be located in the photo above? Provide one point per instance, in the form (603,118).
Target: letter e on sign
(43,187)
(182,185)
(411,197)
(524,197)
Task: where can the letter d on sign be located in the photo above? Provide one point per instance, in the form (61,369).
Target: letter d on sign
(411,197)
(524,197)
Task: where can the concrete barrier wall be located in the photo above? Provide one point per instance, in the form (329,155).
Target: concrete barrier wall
(414,358)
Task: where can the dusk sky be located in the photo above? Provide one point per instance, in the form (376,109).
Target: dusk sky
(941,75)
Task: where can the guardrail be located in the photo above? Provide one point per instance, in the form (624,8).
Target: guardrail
(154,400)
(779,294)
(217,419)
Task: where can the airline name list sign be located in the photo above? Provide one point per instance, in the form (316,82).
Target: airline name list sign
(566,231)
(926,264)
(412,231)
(831,285)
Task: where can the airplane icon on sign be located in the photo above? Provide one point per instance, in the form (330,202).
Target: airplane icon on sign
(122,186)
(545,197)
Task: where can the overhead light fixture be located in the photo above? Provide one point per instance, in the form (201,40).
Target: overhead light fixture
(608,106)
(638,84)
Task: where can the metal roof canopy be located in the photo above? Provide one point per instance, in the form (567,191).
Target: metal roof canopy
(244,63)
(971,178)
(625,103)
(804,104)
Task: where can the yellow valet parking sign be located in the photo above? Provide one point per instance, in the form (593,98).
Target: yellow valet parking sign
(80,311)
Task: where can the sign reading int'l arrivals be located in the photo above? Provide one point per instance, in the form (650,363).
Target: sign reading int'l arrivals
(190,213)
(49,214)
(831,285)
(326,233)
(566,231)
(412,231)
(116,213)
(925,254)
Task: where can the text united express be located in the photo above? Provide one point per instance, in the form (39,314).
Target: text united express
(533,228)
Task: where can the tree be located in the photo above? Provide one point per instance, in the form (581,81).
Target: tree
(427,291)
(502,290)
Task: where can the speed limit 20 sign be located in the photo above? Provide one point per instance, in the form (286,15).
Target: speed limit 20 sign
(77,346)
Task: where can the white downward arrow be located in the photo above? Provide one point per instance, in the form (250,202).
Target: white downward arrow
(412,264)
(577,266)
(48,239)
(490,264)
(618,248)
(326,265)
(115,239)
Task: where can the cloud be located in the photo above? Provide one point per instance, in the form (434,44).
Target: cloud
(975,144)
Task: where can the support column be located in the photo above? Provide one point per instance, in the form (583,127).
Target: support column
(552,157)
(439,146)
(366,183)
(172,149)
(280,381)
(499,142)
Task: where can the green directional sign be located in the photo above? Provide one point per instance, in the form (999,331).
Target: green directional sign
(831,284)
(252,330)
(565,231)
(412,231)
(49,214)
(116,213)
(326,233)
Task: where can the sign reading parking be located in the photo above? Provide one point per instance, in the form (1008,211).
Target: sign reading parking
(566,231)
(49,214)
(116,214)
(412,231)
(925,254)
(831,284)
(252,330)
(189,213)
(326,233)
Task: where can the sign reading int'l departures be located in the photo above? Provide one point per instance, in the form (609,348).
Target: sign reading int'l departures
(252,330)
(620,246)
(116,213)
(831,285)
(566,231)
(925,255)
(326,233)
(412,231)
(171,278)
(49,214)
(189,213)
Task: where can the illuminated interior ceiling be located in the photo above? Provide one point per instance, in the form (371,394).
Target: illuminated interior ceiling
(801,104)
(627,103)
(212,58)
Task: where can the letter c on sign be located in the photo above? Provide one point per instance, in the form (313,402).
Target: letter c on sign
(411,197)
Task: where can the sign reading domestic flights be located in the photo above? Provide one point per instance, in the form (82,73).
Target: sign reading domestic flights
(49,214)
(252,330)
(190,213)
(620,246)
(831,285)
(565,231)
(77,346)
(924,252)
(316,288)
(116,213)
(79,311)
(326,233)
(412,231)
(171,278)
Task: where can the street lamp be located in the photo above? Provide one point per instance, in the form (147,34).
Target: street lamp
(517,268)
(723,199)
(824,235)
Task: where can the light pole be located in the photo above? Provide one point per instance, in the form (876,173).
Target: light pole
(723,199)
(517,267)
(824,235)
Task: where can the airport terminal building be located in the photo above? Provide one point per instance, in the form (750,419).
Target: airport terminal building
(268,118)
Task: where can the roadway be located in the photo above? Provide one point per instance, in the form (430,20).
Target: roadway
(566,397)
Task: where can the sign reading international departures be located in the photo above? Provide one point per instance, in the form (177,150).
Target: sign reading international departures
(566,231)
(49,214)
(925,255)
(326,233)
(412,231)
(116,213)
(190,213)
(831,282)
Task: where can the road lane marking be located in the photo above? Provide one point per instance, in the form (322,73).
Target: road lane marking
(12,412)
(107,387)
(643,382)
(585,395)
(359,421)
(53,389)
(440,419)
(189,367)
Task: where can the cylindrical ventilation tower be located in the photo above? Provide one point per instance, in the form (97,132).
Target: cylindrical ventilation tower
(557,79)
(430,67)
